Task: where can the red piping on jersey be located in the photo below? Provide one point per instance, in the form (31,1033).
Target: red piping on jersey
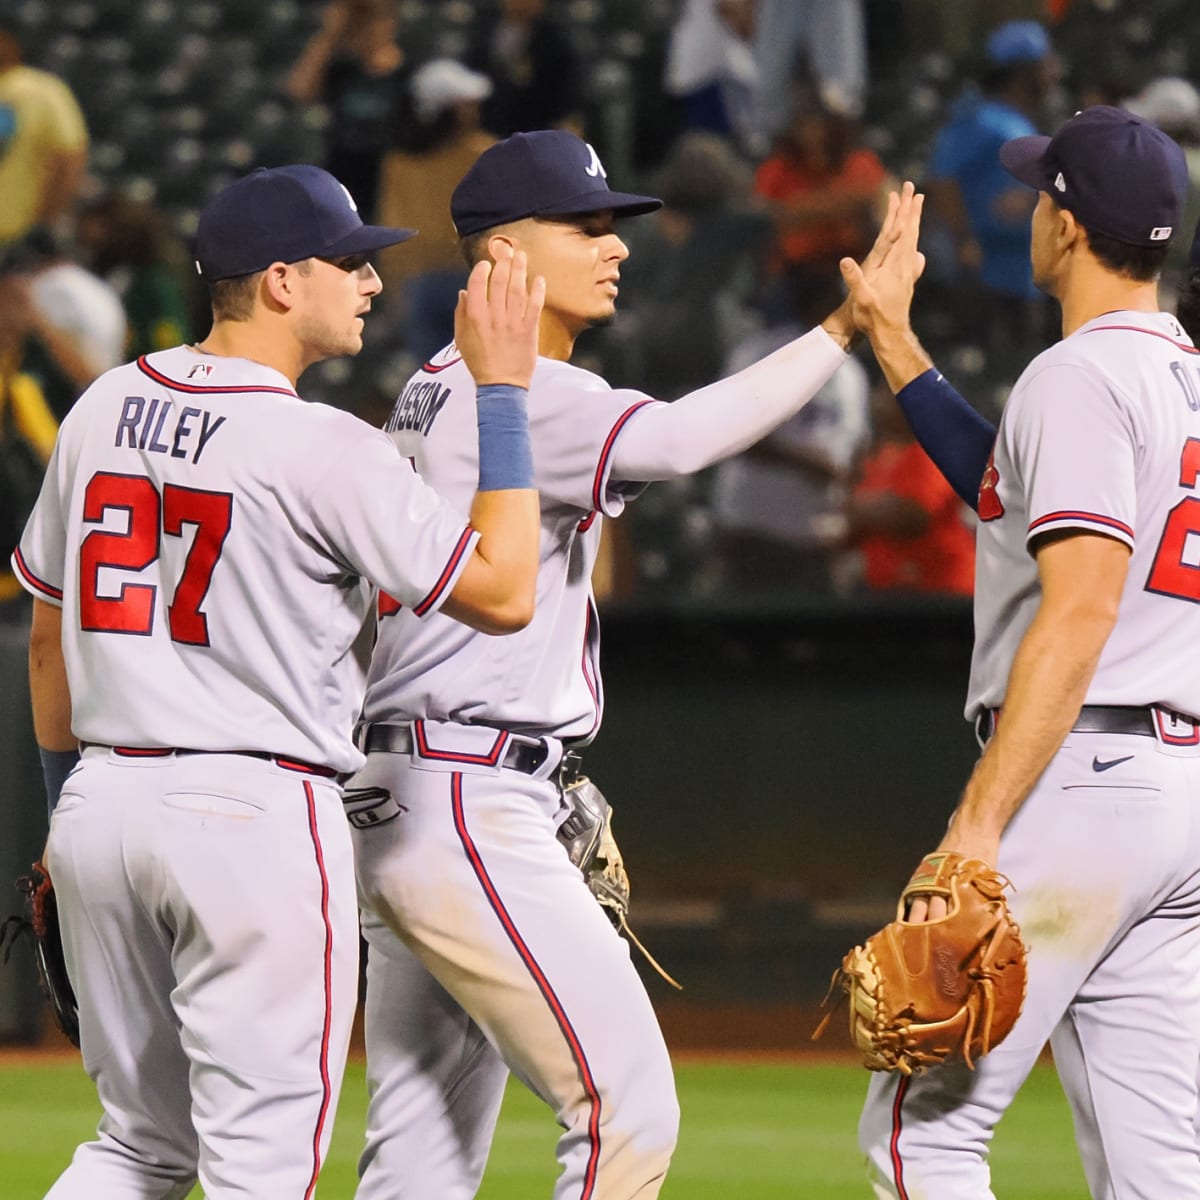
(897,1162)
(490,759)
(606,452)
(1152,332)
(174,385)
(326,1085)
(430,369)
(543,985)
(40,584)
(455,558)
(1075,515)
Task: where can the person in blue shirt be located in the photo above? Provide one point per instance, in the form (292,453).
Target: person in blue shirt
(985,211)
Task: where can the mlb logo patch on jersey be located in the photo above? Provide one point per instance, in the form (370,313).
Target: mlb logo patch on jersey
(201,371)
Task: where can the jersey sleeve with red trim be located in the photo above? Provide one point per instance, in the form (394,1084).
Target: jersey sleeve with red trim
(575,420)
(374,513)
(1074,446)
(39,559)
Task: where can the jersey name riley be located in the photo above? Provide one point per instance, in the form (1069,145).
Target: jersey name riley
(156,426)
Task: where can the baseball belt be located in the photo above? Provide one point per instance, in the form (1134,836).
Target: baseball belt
(280,760)
(523,756)
(1093,718)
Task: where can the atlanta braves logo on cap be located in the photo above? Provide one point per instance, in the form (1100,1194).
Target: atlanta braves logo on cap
(595,167)
(283,214)
(548,172)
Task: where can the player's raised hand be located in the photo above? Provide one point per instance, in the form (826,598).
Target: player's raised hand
(496,321)
(881,289)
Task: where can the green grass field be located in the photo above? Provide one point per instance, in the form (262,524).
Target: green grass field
(754,1132)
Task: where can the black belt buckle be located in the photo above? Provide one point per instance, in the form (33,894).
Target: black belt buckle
(570,770)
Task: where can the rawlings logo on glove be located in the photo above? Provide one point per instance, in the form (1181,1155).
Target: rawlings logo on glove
(940,991)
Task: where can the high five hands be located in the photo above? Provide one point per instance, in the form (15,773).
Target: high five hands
(496,322)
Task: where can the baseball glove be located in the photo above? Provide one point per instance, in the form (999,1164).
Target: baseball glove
(942,991)
(586,832)
(40,923)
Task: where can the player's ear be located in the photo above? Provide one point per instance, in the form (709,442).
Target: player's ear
(278,286)
(500,245)
(1069,230)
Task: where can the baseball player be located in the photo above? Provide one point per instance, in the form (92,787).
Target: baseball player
(1085,688)
(199,556)
(487,952)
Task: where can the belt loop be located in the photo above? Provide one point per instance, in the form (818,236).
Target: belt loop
(1175,729)
(554,756)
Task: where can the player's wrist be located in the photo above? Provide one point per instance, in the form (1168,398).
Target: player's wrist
(900,355)
(505,452)
(56,766)
(840,328)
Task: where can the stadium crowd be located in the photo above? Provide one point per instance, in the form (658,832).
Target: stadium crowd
(771,128)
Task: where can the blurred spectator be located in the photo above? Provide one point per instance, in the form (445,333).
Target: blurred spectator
(533,66)
(130,245)
(1102,59)
(43,143)
(443,142)
(67,324)
(906,520)
(987,213)
(354,65)
(1173,104)
(1187,301)
(826,190)
(711,68)
(774,506)
(27,433)
(805,39)
(694,269)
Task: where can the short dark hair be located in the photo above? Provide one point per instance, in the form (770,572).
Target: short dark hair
(1143,264)
(473,247)
(233,299)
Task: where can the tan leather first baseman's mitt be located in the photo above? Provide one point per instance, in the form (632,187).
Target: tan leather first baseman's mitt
(586,832)
(942,991)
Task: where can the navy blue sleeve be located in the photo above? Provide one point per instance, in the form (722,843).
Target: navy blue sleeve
(950,431)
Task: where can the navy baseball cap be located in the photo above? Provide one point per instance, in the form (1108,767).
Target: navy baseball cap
(1119,175)
(283,214)
(549,172)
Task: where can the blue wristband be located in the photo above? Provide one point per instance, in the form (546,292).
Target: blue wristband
(505,455)
(56,766)
(950,431)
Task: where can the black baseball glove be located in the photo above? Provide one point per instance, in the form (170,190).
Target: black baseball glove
(39,922)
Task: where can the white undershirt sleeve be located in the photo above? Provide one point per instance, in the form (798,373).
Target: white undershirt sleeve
(715,422)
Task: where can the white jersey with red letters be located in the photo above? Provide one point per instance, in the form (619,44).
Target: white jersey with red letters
(1101,433)
(192,520)
(544,679)
(487,950)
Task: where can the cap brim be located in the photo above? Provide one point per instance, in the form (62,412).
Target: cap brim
(367,238)
(623,204)
(1024,158)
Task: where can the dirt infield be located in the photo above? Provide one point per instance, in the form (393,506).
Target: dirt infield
(708,1032)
